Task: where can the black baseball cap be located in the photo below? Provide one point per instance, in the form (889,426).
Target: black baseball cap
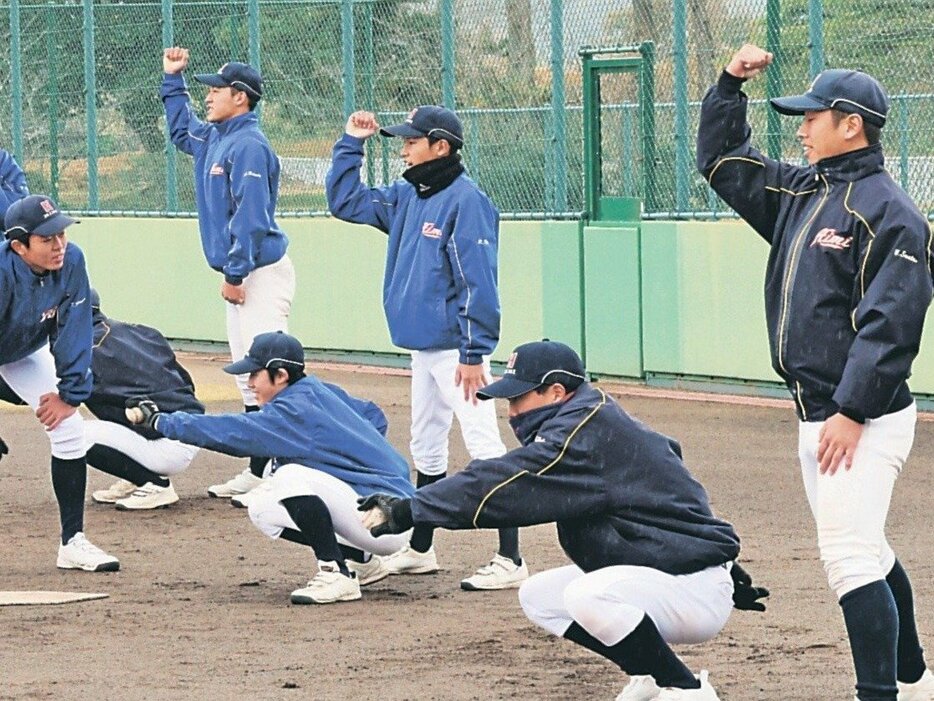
(241,76)
(268,349)
(534,364)
(35,214)
(429,120)
(840,89)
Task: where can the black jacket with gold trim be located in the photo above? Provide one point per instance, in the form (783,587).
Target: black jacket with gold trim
(848,279)
(618,492)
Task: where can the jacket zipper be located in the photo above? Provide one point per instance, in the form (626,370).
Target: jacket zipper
(786,286)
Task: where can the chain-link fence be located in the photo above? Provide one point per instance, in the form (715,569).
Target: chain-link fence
(85,119)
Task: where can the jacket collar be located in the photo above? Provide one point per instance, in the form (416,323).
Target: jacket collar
(853,165)
(241,121)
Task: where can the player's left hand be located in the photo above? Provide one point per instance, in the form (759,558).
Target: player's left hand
(745,596)
(470,378)
(53,410)
(3,448)
(235,294)
(383,514)
(838,440)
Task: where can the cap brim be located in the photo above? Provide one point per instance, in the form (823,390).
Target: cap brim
(212,79)
(242,367)
(797,105)
(403,130)
(506,388)
(54,225)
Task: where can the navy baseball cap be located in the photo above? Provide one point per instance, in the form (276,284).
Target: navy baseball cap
(429,120)
(241,76)
(840,89)
(268,349)
(35,214)
(534,364)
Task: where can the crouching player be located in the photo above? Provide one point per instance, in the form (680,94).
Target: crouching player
(651,563)
(329,450)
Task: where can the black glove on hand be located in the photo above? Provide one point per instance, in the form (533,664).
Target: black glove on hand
(396,511)
(3,449)
(148,409)
(745,596)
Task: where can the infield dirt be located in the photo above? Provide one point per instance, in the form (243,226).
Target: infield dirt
(200,608)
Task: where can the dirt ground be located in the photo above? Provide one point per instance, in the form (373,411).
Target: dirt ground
(200,608)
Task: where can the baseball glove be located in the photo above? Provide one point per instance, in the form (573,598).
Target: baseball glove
(745,596)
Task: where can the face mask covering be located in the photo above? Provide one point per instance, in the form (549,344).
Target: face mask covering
(527,424)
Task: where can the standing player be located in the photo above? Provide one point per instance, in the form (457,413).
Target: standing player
(44,293)
(132,360)
(236,188)
(441,302)
(650,560)
(12,182)
(848,283)
(330,448)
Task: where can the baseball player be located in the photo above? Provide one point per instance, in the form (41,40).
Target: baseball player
(12,182)
(441,302)
(236,188)
(127,360)
(44,292)
(651,563)
(330,450)
(848,282)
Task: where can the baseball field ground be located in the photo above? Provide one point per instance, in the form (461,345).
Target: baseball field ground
(200,608)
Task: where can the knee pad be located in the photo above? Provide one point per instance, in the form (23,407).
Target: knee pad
(67,439)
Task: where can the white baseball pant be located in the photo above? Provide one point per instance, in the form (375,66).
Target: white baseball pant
(163,456)
(435,402)
(269,292)
(850,506)
(30,378)
(292,480)
(609,603)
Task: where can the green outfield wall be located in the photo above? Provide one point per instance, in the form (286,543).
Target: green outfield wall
(668,302)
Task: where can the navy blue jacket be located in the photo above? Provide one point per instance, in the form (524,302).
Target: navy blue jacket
(619,492)
(308,423)
(236,185)
(439,289)
(12,182)
(35,308)
(848,280)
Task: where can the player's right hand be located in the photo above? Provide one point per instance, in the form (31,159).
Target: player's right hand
(174,59)
(3,448)
(362,124)
(142,411)
(749,61)
(384,514)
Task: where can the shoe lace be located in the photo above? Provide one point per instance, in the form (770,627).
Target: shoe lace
(84,545)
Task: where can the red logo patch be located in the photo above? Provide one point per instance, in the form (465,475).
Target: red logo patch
(217,169)
(48,314)
(829,238)
(430,230)
(47,206)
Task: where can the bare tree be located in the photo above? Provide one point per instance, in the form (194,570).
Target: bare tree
(521,45)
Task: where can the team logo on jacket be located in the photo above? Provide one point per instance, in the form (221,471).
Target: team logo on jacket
(829,238)
(430,230)
(217,169)
(48,314)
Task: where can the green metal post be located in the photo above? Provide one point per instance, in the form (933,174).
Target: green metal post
(629,182)
(171,172)
(903,140)
(16,82)
(253,51)
(592,155)
(347,45)
(816,35)
(559,107)
(447,54)
(647,98)
(773,76)
(52,57)
(90,105)
(368,84)
(682,150)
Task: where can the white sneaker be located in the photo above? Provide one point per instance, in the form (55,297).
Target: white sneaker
(501,573)
(328,586)
(149,496)
(369,572)
(705,693)
(241,484)
(921,690)
(408,561)
(120,489)
(242,501)
(640,688)
(82,554)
